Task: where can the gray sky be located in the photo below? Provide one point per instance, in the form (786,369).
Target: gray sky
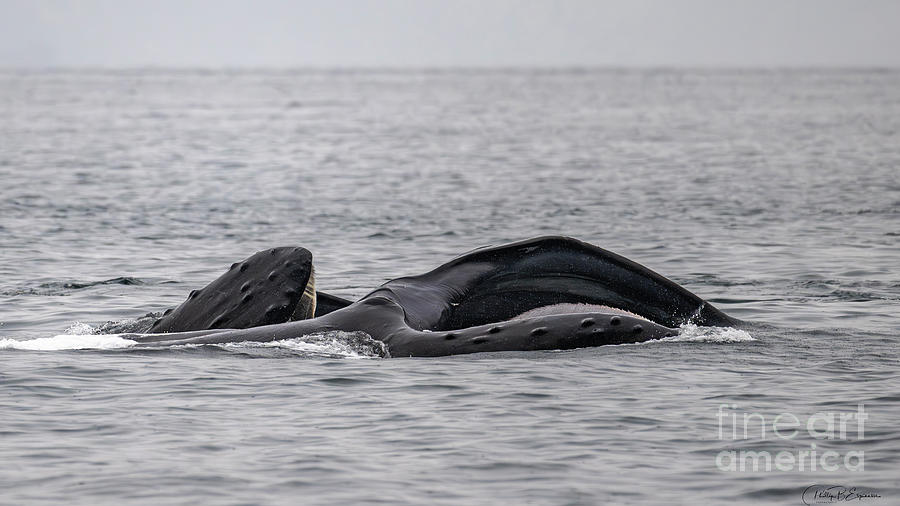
(336,33)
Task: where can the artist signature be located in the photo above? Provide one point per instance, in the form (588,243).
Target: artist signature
(822,494)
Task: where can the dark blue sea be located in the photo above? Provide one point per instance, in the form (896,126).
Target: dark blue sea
(774,194)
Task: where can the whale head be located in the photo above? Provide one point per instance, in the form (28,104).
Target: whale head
(273,286)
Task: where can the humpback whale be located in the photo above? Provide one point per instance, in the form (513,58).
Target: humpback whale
(538,294)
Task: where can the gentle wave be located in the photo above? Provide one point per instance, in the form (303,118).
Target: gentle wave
(65,287)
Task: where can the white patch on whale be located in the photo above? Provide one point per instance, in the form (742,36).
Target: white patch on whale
(570,308)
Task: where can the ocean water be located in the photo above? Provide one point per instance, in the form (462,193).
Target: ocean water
(775,194)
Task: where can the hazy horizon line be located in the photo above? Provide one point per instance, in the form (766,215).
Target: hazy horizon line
(453,67)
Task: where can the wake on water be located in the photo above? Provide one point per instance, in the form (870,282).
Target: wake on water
(69,342)
(332,344)
(696,334)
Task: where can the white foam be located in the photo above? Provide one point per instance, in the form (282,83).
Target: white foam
(69,342)
(331,343)
(695,334)
(79,328)
(318,345)
(335,343)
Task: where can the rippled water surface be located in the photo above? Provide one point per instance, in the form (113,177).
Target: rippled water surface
(773,194)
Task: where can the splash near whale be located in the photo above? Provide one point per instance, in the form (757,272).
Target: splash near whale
(539,294)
